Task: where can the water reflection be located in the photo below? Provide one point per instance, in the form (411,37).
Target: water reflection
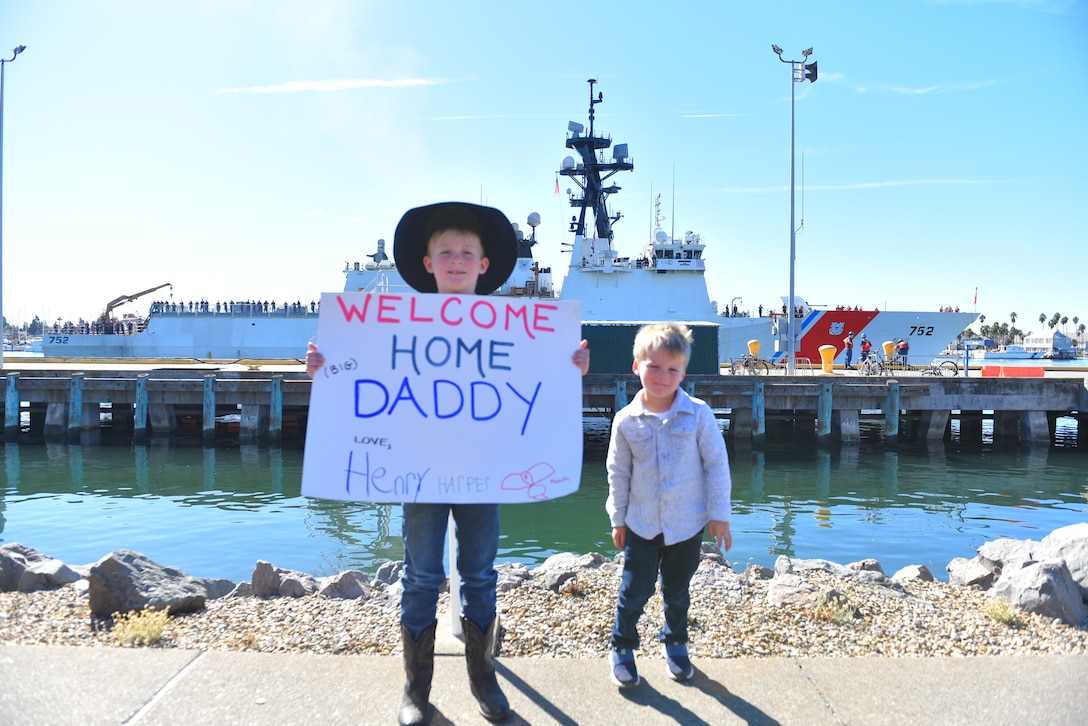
(214,511)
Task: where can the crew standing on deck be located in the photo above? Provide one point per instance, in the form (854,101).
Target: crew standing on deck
(866,346)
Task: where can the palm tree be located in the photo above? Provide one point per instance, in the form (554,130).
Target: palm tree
(1053,322)
(1012,318)
(1042,318)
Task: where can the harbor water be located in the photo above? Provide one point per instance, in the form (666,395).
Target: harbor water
(216,511)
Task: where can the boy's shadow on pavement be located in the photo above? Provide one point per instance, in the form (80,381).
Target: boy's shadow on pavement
(644,695)
(437,719)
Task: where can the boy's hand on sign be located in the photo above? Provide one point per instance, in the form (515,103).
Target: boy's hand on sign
(581,357)
(314,360)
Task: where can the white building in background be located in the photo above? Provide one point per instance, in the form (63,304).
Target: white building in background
(1052,344)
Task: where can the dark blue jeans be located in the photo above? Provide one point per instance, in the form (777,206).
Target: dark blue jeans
(643,560)
(424,534)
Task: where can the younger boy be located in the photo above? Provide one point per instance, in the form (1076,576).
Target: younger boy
(668,475)
(465,249)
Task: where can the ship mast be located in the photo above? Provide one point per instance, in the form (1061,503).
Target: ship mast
(591,174)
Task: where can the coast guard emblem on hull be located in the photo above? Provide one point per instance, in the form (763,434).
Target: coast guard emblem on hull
(836,328)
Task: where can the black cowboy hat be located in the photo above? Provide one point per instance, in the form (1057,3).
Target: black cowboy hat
(417,225)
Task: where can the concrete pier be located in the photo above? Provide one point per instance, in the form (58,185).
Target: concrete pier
(261,403)
(1024,410)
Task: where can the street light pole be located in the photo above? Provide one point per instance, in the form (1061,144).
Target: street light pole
(3,64)
(799,73)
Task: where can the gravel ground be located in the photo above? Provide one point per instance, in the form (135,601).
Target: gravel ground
(730,617)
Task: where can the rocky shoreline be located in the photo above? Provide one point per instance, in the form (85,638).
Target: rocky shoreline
(564,609)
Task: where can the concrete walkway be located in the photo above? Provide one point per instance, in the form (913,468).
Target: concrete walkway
(55,685)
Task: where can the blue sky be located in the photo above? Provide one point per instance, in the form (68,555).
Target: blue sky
(247,150)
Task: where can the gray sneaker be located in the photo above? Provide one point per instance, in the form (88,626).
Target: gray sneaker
(623,671)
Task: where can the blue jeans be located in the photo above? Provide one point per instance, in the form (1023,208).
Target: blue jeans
(424,533)
(643,559)
(849,356)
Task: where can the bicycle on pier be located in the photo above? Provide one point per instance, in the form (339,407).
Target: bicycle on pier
(872,366)
(941,368)
(748,365)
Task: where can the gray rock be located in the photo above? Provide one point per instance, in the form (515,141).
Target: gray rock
(216,587)
(914,572)
(758,572)
(347,585)
(866,565)
(1004,552)
(571,561)
(792,590)
(1070,544)
(271,581)
(785,565)
(554,579)
(1046,588)
(389,573)
(713,557)
(872,577)
(125,580)
(242,589)
(511,576)
(23,569)
(964,572)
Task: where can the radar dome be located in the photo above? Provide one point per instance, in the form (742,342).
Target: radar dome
(660,236)
(534,220)
(568,162)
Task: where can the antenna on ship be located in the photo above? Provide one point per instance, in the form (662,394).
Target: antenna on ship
(591,173)
(592,103)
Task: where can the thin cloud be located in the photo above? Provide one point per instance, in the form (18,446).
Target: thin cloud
(941,88)
(713,115)
(335,84)
(474,117)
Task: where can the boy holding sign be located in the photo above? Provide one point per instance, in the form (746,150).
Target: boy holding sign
(668,476)
(465,249)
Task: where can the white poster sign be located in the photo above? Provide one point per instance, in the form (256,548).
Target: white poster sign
(444,398)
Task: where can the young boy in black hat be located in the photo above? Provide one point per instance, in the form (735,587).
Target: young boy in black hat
(465,249)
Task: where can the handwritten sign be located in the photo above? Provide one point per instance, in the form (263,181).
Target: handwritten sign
(444,398)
